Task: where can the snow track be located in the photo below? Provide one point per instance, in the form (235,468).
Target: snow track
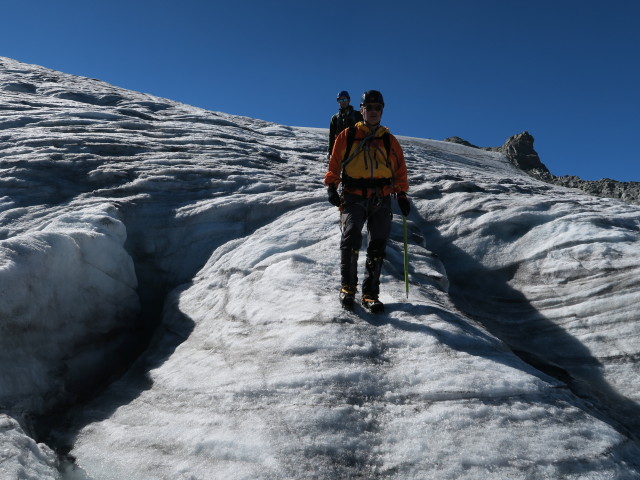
(207,238)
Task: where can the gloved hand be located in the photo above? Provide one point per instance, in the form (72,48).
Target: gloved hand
(403,203)
(334,196)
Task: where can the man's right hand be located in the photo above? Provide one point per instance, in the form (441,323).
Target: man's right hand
(334,196)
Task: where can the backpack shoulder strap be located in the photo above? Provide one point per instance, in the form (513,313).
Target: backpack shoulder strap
(351,135)
(386,139)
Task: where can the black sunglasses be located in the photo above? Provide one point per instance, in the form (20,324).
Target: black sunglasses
(375,108)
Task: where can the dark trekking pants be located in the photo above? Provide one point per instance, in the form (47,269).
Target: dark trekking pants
(376,213)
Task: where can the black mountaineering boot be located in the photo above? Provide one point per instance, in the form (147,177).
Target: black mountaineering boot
(372,304)
(347,296)
(371,283)
(349,274)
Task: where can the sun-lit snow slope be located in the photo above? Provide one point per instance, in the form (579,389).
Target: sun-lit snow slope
(87,167)
(113,201)
(554,273)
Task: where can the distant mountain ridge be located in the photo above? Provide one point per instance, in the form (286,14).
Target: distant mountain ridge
(519,150)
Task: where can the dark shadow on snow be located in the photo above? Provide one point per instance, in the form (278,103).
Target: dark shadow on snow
(486,296)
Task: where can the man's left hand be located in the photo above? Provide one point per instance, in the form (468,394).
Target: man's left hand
(403,203)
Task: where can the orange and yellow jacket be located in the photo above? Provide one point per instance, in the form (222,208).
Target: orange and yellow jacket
(366,169)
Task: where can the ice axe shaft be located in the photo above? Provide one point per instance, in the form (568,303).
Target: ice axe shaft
(406,257)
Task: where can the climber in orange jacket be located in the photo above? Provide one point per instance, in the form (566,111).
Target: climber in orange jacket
(368,163)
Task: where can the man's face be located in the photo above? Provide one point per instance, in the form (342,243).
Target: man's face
(372,112)
(343,102)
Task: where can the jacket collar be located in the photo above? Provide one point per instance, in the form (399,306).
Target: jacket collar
(367,130)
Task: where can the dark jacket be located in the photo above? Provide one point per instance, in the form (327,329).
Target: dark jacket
(345,118)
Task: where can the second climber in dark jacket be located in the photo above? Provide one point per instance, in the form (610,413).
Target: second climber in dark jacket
(345,118)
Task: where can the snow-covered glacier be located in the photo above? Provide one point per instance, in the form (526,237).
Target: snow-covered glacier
(168,306)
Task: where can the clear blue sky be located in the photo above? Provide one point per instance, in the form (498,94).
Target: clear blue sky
(567,71)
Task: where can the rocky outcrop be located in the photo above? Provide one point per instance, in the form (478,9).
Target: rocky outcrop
(460,141)
(519,150)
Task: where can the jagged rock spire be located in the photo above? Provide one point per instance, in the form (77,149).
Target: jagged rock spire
(519,149)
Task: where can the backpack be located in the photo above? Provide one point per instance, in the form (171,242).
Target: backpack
(351,135)
(346,121)
(364,183)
